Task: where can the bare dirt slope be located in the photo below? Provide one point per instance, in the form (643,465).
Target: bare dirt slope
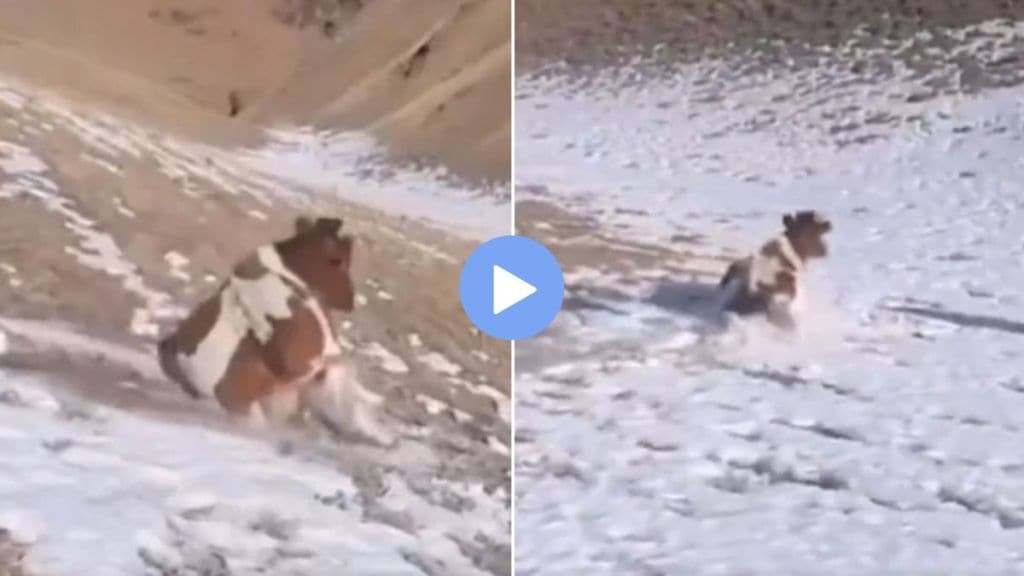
(431,78)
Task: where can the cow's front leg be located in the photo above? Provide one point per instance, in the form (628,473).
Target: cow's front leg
(247,385)
(340,402)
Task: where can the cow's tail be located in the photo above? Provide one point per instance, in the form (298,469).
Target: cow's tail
(733,272)
(167,350)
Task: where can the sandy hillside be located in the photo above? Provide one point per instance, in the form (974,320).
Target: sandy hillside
(432,79)
(126,191)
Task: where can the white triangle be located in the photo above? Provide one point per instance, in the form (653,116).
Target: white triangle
(509,289)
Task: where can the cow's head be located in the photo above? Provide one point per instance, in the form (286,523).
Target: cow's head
(806,231)
(321,256)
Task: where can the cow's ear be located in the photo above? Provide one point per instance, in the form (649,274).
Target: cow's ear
(303,224)
(331,226)
(823,223)
(787,221)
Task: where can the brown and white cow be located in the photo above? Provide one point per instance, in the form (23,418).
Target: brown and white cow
(770,282)
(263,344)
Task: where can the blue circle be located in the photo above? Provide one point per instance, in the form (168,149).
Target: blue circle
(532,263)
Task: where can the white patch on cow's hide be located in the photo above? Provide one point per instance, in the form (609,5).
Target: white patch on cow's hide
(763,269)
(331,347)
(244,305)
(262,300)
(271,260)
(207,366)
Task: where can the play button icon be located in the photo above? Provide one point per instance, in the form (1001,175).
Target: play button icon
(511,287)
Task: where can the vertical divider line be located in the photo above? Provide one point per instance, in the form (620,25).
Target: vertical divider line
(512,230)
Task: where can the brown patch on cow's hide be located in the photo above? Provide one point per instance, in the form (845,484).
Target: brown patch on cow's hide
(775,251)
(247,379)
(295,343)
(783,283)
(186,339)
(193,330)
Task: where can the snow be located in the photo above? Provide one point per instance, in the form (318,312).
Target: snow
(433,406)
(349,164)
(882,437)
(30,176)
(51,336)
(123,210)
(184,491)
(440,364)
(387,360)
(178,264)
(173,496)
(17,160)
(294,163)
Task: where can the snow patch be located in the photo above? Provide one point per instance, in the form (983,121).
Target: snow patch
(440,364)
(122,209)
(432,405)
(414,340)
(178,263)
(210,499)
(350,165)
(387,360)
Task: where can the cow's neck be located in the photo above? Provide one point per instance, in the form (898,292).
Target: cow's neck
(275,263)
(791,248)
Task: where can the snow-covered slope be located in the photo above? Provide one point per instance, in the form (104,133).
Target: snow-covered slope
(884,437)
(183,492)
(292,163)
(110,230)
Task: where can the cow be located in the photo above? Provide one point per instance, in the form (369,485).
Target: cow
(770,281)
(263,344)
